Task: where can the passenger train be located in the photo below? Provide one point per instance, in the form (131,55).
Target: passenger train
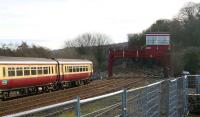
(21,76)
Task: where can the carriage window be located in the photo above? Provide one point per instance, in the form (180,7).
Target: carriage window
(33,70)
(77,68)
(81,68)
(45,70)
(39,69)
(86,69)
(65,68)
(19,71)
(70,68)
(49,70)
(11,71)
(52,70)
(56,69)
(26,71)
(4,72)
(74,69)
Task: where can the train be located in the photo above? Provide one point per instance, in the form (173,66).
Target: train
(20,76)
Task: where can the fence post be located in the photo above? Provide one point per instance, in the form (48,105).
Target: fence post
(145,108)
(186,94)
(124,103)
(77,107)
(164,100)
(197,84)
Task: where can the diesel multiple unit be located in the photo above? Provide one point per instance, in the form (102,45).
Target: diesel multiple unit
(25,76)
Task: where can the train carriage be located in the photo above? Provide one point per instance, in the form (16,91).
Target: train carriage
(24,75)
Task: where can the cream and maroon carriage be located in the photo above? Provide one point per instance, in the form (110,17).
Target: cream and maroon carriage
(25,76)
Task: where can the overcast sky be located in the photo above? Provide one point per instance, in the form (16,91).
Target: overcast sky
(50,23)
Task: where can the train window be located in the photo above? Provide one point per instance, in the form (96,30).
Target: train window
(65,68)
(26,71)
(11,71)
(77,68)
(70,68)
(19,71)
(45,70)
(4,72)
(49,70)
(81,68)
(33,70)
(86,69)
(74,69)
(52,70)
(56,69)
(39,70)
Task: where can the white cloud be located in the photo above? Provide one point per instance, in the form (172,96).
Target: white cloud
(56,21)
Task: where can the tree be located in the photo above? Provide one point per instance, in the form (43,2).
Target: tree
(192,60)
(91,46)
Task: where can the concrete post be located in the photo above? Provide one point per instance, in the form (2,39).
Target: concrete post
(164,99)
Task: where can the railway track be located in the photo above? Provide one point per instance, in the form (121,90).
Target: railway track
(93,89)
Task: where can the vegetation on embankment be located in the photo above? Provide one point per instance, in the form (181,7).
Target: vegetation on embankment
(184,29)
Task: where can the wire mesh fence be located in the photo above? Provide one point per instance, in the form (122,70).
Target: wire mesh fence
(108,106)
(166,98)
(136,100)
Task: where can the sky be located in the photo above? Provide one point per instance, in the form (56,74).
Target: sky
(50,23)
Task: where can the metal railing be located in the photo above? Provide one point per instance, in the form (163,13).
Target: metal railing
(164,98)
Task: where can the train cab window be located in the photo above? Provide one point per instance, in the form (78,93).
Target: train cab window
(26,71)
(11,71)
(45,70)
(39,70)
(19,71)
(33,70)
(4,72)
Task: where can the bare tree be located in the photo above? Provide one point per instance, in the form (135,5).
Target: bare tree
(189,12)
(92,46)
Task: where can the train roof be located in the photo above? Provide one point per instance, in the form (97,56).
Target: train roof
(25,60)
(32,60)
(74,61)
